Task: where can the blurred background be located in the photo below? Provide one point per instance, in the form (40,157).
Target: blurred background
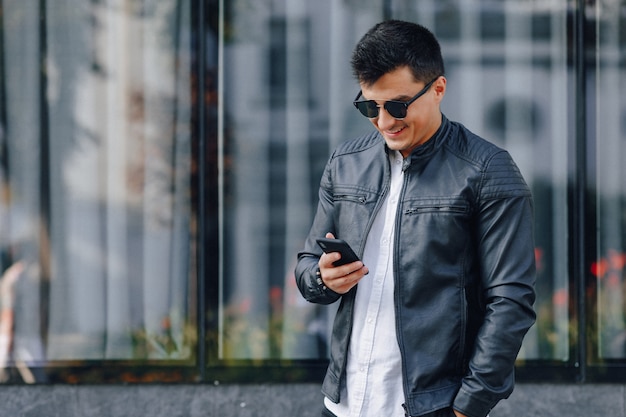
(160,160)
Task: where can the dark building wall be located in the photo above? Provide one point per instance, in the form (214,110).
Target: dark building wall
(273,400)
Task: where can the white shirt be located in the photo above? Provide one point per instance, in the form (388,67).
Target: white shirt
(374,369)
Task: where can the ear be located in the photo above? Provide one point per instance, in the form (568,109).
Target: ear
(440,87)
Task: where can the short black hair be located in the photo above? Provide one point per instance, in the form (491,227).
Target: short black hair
(392,44)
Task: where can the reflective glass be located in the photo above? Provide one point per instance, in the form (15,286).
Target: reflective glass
(508,81)
(288,84)
(98,219)
(96,222)
(609,266)
(287,102)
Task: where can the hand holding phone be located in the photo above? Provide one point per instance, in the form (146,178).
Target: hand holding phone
(338,245)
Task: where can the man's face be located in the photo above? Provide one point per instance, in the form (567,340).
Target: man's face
(423,116)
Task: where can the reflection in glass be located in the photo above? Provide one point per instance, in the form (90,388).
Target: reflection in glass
(289,86)
(506,64)
(95,210)
(609,267)
(286,78)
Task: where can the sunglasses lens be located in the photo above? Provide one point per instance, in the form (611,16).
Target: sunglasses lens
(395,109)
(368,109)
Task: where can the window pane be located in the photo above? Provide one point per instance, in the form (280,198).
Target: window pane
(506,64)
(96,216)
(288,87)
(610,266)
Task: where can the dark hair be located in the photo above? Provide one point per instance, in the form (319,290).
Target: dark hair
(392,44)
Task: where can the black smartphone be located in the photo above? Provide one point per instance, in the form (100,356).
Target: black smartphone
(338,245)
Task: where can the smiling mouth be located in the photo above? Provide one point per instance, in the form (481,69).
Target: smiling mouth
(395,132)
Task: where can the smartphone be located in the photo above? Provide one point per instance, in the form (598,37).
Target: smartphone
(338,245)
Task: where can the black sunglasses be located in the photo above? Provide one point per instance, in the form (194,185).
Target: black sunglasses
(397,109)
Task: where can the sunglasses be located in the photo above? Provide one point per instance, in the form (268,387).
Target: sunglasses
(397,109)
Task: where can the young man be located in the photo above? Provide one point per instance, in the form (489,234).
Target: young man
(442,221)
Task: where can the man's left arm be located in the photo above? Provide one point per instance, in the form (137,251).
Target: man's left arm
(506,258)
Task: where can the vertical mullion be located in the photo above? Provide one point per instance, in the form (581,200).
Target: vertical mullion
(44,172)
(579,209)
(220,127)
(202,171)
(387,9)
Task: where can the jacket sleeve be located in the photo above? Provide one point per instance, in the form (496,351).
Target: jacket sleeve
(507,269)
(309,283)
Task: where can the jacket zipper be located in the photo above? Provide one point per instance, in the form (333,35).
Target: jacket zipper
(354,198)
(436,208)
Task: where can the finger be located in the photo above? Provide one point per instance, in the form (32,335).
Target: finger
(350,268)
(341,279)
(327,259)
(345,283)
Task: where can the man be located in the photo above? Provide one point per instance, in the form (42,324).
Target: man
(442,220)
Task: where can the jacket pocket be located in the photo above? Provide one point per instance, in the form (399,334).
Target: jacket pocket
(352,198)
(437,208)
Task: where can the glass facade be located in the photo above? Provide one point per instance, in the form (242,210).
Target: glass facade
(96,215)
(609,134)
(160,160)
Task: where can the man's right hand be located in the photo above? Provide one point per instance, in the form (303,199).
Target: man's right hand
(342,278)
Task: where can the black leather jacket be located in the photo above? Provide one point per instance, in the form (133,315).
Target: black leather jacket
(463,262)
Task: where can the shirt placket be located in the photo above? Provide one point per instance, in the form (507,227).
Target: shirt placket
(383,278)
